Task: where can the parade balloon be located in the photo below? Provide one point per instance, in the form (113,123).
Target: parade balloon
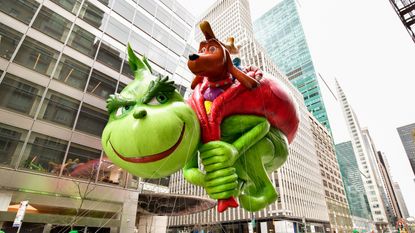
(239,121)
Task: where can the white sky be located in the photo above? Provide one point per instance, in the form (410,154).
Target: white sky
(365,46)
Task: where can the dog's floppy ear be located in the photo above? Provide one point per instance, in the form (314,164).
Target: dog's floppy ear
(198,79)
(247,81)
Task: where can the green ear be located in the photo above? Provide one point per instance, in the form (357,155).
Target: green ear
(137,66)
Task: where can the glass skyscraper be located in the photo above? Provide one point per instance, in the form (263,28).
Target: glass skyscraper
(353,184)
(407,135)
(280,32)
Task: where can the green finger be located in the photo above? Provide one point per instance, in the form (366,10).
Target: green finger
(221,180)
(214,159)
(215,167)
(222,188)
(222,195)
(211,145)
(210,153)
(220,173)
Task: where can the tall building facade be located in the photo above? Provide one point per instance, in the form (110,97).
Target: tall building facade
(281,33)
(363,150)
(388,185)
(299,182)
(401,201)
(407,135)
(355,190)
(59,61)
(378,176)
(334,190)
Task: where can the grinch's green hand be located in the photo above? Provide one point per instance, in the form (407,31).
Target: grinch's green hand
(218,158)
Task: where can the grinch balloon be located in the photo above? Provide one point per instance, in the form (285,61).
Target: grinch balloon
(151,131)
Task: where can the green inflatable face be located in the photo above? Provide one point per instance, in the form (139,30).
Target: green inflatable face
(151,131)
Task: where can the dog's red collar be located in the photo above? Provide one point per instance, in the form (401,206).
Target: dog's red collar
(221,83)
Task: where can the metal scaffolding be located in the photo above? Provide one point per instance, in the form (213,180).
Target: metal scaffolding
(406,12)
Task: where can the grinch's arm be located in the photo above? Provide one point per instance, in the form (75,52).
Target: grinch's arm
(244,131)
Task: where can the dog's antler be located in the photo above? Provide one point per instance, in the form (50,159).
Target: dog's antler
(207,30)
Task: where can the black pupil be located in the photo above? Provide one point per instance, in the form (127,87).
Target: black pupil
(127,107)
(162,97)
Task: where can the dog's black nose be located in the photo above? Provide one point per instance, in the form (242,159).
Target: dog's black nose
(193,57)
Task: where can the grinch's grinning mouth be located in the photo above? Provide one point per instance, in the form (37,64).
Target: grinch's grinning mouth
(153,157)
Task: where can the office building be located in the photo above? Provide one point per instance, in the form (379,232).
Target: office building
(405,9)
(299,182)
(59,61)
(339,214)
(355,190)
(401,200)
(365,156)
(395,212)
(407,135)
(281,33)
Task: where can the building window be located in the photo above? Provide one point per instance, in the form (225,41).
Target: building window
(83,41)
(92,120)
(44,154)
(82,162)
(72,72)
(92,14)
(101,85)
(11,142)
(36,56)
(110,173)
(20,95)
(22,10)
(52,24)
(59,109)
(69,5)
(9,39)
(110,56)
(148,5)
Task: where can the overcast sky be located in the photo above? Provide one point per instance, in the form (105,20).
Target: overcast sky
(365,46)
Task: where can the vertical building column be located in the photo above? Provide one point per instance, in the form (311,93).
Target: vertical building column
(153,224)
(5,199)
(47,228)
(129,212)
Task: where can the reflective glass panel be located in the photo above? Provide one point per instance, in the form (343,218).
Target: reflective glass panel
(124,9)
(101,85)
(19,95)
(83,41)
(22,10)
(92,120)
(44,154)
(110,173)
(52,24)
(9,38)
(148,5)
(36,56)
(82,162)
(59,109)
(110,56)
(69,5)
(72,72)
(11,142)
(92,15)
